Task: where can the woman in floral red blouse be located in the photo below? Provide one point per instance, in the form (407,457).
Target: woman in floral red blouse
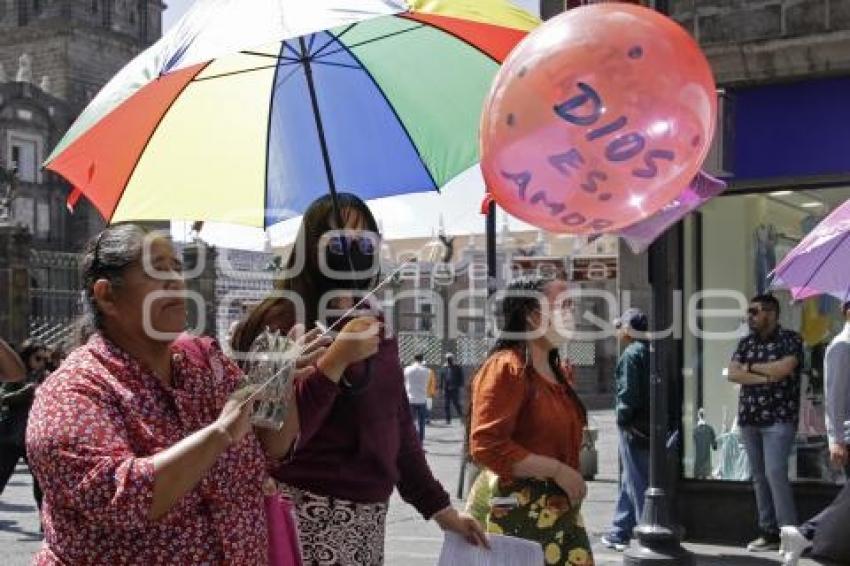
(147,456)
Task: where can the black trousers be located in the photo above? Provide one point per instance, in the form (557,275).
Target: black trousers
(453,398)
(810,527)
(10,455)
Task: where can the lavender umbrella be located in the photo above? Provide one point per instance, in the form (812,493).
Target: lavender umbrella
(819,264)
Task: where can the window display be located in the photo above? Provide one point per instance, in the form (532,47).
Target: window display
(731,249)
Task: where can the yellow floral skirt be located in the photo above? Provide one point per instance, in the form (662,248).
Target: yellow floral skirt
(542,512)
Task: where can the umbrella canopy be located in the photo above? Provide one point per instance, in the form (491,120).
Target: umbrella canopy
(249,110)
(818,264)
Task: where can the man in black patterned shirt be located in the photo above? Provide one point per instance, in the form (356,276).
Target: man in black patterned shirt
(767,365)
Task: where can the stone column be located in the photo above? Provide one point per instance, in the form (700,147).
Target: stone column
(14,283)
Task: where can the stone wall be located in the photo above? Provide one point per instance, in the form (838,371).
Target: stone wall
(751,41)
(78,48)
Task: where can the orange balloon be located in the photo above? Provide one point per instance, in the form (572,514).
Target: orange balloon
(598,119)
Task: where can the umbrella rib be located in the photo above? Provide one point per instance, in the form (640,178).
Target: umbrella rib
(292,50)
(243,71)
(334,64)
(373,40)
(395,113)
(340,34)
(825,258)
(269,140)
(270,56)
(150,138)
(454,35)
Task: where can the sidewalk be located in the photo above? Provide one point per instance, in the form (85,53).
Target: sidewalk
(410,540)
(413,542)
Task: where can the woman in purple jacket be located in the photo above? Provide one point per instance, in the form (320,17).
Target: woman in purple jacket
(357,440)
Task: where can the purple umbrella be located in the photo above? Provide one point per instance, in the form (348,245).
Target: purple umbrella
(819,264)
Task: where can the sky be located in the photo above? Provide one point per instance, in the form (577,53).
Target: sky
(417,215)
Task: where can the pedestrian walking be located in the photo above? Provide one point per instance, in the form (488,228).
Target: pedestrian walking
(797,540)
(416,378)
(527,424)
(432,393)
(766,364)
(357,441)
(632,385)
(11,367)
(144,444)
(14,392)
(16,399)
(451,384)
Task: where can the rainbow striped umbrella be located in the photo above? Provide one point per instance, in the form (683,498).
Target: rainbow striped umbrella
(250,109)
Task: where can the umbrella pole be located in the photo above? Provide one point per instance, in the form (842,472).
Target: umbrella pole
(323,143)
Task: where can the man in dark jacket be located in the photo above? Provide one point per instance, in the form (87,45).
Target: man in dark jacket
(632,382)
(451,383)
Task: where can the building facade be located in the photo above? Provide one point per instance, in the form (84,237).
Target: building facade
(439,302)
(55,55)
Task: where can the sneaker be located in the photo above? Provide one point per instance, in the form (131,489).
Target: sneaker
(793,545)
(614,542)
(765,543)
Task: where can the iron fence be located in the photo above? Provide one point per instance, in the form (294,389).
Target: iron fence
(54,295)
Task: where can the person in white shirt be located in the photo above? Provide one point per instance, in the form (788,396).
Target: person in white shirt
(416,378)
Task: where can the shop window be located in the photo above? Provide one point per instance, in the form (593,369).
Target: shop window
(25,153)
(732,246)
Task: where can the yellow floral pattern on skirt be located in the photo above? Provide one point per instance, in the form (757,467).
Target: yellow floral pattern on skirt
(543,513)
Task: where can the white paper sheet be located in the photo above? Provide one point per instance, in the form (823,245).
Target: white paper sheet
(504,551)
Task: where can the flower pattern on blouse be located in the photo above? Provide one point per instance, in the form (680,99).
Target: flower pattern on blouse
(767,404)
(93,428)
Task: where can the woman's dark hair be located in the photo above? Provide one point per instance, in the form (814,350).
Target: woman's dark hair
(28,348)
(309,284)
(522,300)
(106,256)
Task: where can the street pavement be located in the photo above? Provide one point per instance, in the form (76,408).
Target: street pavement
(410,540)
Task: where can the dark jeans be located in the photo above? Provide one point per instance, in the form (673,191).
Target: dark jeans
(419,413)
(9,457)
(453,398)
(633,484)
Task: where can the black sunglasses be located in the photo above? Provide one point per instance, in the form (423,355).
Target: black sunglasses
(366,244)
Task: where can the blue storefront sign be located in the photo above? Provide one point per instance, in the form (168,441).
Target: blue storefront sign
(791,131)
